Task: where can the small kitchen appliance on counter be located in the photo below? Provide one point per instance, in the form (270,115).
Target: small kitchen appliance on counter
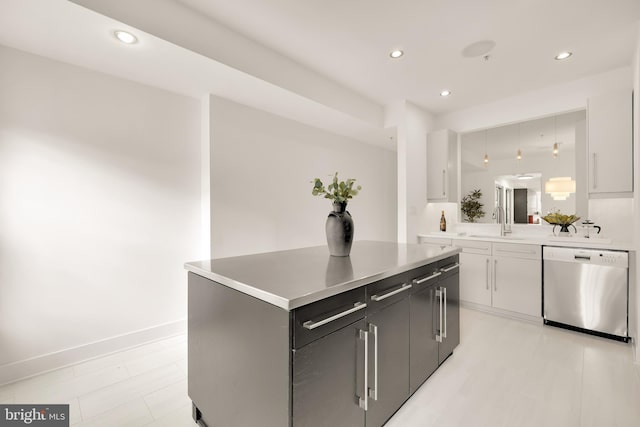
(586,290)
(588,227)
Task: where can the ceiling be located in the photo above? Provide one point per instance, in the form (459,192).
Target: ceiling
(67,32)
(350,40)
(346,41)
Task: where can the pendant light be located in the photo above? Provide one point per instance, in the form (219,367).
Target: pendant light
(486,156)
(555,137)
(519,154)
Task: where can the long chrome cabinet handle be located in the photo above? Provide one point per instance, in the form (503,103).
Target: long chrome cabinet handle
(404,287)
(363,402)
(373,329)
(424,279)
(487,273)
(444,182)
(309,324)
(495,275)
(595,182)
(444,335)
(448,269)
(439,296)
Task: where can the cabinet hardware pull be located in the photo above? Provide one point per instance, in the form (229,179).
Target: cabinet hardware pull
(595,182)
(373,329)
(439,334)
(363,402)
(444,335)
(309,324)
(486,271)
(424,279)
(495,274)
(404,287)
(444,186)
(448,269)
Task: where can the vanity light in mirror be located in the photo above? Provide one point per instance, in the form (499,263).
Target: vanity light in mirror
(519,155)
(555,149)
(524,176)
(560,188)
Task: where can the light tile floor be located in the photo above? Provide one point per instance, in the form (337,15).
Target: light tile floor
(504,373)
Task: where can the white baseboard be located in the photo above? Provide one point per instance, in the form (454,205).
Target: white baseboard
(500,312)
(22,369)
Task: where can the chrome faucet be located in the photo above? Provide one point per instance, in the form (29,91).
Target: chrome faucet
(501,217)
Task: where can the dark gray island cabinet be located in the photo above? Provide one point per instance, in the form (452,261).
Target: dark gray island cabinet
(300,338)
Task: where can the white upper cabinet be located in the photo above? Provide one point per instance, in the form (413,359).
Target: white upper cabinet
(610,144)
(442,170)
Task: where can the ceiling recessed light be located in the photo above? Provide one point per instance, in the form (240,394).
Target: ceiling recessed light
(563,55)
(125,37)
(445,93)
(396,53)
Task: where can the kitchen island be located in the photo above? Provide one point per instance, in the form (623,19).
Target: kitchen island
(301,338)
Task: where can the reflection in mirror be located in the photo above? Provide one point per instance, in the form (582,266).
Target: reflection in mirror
(521,160)
(522,195)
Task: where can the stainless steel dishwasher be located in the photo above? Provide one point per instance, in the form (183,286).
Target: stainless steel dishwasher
(586,290)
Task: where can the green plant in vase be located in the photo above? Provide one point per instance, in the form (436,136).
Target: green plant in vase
(471,206)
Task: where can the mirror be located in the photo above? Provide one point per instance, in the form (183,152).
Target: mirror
(521,160)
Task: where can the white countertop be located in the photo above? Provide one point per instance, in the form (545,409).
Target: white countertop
(293,278)
(574,242)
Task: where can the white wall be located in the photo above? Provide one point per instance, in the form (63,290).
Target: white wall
(99,196)
(635,295)
(262,168)
(412,124)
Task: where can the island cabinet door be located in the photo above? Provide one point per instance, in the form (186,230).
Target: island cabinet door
(328,379)
(388,361)
(448,300)
(423,345)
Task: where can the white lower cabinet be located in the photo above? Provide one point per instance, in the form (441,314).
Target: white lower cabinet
(475,278)
(505,276)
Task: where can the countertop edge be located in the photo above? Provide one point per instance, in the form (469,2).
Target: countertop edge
(542,241)
(292,304)
(239,286)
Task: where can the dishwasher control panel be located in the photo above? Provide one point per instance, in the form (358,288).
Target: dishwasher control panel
(587,256)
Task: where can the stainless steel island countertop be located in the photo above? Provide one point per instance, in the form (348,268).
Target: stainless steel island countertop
(293,278)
